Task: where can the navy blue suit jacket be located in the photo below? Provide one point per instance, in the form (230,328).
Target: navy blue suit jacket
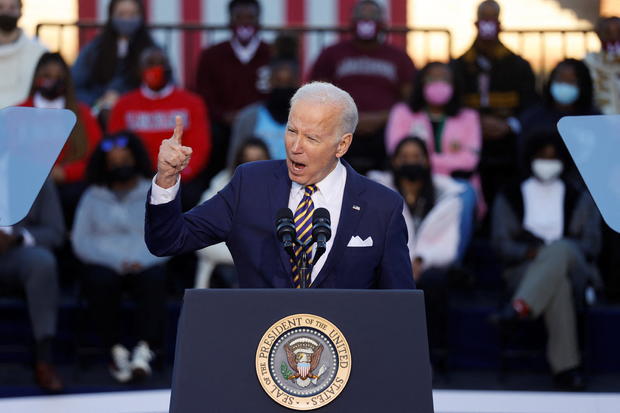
(243,215)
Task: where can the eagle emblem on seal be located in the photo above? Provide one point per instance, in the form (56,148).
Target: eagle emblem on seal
(303,355)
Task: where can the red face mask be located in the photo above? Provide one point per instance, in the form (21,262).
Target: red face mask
(155,77)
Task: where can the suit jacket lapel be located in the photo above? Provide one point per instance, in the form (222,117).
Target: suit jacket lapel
(349,221)
(279,195)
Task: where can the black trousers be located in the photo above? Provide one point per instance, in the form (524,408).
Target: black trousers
(104,288)
(434,283)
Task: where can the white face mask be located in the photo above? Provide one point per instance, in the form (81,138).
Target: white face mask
(547,169)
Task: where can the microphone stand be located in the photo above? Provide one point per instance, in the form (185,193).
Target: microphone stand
(304,266)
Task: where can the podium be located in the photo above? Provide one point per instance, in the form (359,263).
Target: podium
(282,350)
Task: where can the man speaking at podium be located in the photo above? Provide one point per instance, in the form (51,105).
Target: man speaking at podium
(368,244)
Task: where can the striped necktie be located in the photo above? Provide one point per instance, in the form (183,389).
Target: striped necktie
(303,228)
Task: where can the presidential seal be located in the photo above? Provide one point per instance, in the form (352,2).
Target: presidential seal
(303,362)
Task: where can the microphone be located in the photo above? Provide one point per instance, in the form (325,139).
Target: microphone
(285,230)
(321,231)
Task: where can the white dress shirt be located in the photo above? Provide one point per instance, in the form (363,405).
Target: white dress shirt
(328,195)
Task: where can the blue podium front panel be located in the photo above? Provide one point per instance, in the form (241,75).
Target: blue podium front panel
(220,332)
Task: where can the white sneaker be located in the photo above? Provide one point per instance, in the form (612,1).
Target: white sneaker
(140,360)
(120,368)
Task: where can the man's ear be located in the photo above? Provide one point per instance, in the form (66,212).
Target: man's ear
(344,144)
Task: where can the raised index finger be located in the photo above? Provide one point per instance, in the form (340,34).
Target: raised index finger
(178,130)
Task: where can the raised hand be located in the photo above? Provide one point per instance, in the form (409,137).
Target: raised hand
(173,157)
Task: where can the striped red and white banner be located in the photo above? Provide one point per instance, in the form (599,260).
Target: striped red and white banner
(184,48)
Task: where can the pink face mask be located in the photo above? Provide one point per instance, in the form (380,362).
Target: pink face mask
(366,29)
(488,29)
(611,48)
(438,92)
(245,33)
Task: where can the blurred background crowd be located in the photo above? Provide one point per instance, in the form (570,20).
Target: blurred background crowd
(493,202)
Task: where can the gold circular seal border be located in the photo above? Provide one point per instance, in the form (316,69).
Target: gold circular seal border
(341,347)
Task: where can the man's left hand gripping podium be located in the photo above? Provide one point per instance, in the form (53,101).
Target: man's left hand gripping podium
(30,142)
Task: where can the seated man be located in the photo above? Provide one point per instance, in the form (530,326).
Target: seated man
(377,75)
(27,263)
(548,235)
(149,112)
(368,246)
(267,120)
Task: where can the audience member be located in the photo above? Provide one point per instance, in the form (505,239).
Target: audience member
(108,236)
(605,66)
(27,264)
(267,120)
(233,74)
(150,113)
(109,65)
(436,114)
(52,88)
(250,150)
(377,76)
(568,92)
(18,55)
(433,213)
(548,235)
(500,85)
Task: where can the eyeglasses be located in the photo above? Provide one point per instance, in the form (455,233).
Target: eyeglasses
(108,144)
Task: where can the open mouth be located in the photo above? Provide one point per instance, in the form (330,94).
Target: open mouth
(298,167)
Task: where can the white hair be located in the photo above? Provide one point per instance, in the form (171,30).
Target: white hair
(328,94)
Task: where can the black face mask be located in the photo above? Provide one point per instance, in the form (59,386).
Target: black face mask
(279,101)
(121,174)
(8,23)
(412,172)
(51,90)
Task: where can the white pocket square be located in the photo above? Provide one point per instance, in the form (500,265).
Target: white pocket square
(356,241)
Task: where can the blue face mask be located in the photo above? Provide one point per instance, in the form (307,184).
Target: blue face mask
(564,93)
(126,27)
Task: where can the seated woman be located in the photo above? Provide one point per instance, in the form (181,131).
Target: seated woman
(108,236)
(568,92)
(108,66)
(249,150)
(548,235)
(433,213)
(436,114)
(52,87)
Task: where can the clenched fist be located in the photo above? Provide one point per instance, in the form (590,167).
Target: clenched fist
(173,157)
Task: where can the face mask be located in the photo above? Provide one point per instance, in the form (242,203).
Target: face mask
(366,30)
(51,89)
(488,29)
(245,33)
(121,174)
(612,49)
(155,77)
(438,92)
(278,102)
(564,93)
(8,23)
(127,27)
(412,172)
(547,169)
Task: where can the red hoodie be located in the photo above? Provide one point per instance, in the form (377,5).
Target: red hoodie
(152,118)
